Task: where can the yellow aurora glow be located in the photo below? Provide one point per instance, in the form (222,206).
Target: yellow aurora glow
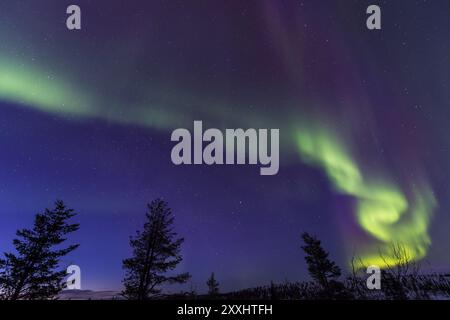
(382,210)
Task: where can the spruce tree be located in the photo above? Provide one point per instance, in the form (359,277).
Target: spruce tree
(213,286)
(324,271)
(156,251)
(34,273)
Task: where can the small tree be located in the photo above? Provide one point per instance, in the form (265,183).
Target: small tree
(400,274)
(34,273)
(155,252)
(213,286)
(324,271)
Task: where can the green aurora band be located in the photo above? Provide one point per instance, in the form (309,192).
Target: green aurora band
(382,210)
(28,86)
(51,92)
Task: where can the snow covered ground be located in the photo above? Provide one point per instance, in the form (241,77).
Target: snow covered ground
(89,295)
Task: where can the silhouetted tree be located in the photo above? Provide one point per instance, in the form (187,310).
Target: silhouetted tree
(324,271)
(213,286)
(400,274)
(34,271)
(273,291)
(155,252)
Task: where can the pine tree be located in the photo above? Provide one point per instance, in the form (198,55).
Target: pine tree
(213,286)
(155,252)
(324,271)
(33,273)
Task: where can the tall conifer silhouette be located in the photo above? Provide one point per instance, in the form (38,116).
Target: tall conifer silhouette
(156,251)
(34,272)
(323,270)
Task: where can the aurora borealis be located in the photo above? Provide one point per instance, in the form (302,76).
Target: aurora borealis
(86,116)
(380,207)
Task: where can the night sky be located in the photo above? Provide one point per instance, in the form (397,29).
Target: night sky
(86,117)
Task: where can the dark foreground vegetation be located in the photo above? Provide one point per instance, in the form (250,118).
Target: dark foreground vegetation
(34,271)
